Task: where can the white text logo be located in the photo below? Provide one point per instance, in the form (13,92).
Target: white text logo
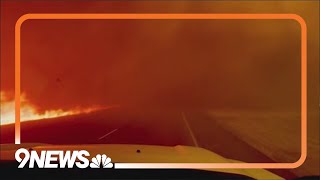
(61,159)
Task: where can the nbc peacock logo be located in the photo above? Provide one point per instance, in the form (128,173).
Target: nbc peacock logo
(101,161)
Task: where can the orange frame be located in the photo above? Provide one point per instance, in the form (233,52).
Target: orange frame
(294,17)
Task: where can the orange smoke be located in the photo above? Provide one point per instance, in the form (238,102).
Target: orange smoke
(29,112)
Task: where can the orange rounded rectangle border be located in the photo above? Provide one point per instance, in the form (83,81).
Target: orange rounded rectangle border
(294,17)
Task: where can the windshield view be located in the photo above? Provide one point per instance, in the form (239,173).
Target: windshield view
(219,89)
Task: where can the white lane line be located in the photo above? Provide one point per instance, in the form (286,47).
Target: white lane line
(195,142)
(108,134)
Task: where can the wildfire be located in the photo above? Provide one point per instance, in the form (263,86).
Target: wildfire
(28,111)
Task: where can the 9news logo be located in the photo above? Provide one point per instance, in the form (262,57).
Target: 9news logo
(59,159)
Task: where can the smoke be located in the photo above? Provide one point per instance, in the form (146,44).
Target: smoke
(161,63)
(179,64)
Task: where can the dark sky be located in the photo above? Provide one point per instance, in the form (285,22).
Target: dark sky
(167,63)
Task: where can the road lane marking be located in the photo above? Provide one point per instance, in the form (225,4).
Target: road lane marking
(195,142)
(108,134)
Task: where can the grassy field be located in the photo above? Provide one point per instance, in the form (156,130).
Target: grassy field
(275,134)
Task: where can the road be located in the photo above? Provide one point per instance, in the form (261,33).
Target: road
(140,126)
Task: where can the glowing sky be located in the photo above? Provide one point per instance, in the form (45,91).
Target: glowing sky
(168,63)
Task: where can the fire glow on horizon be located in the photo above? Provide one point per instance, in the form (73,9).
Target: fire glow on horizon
(29,112)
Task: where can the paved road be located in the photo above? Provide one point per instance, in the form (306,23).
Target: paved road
(124,126)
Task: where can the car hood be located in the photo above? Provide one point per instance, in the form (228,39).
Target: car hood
(124,153)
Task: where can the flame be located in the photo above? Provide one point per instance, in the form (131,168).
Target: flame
(28,111)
